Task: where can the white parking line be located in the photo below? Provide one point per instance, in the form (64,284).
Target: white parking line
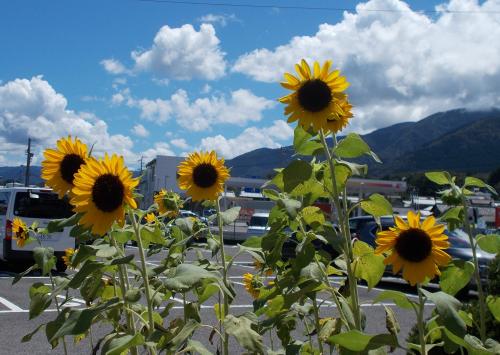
(11,306)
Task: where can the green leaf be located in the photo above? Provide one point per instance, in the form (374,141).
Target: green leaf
(194,346)
(152,236)
(83,253)
(313,215)
(122,236)
(28,336)
(439,177)
(357,341)
(44,258)
(302,142)
(40,299)
(366,264)
(297,172)
(472,181)
(456,276)
(79,321)
(124,260)
(19,276)
(88,268)
(352,146)
(377,206)
(452,214)
(447,307)
(106,251)
(241,329)
(57,225)
(92,287)
(399,298)
(187,276)
(291,206)
(119,344)
(230,215)
(489,243)
(342,173)
(493,303)
(133,295)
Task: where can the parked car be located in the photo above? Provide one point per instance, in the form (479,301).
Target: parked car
(33,204)
(365,229)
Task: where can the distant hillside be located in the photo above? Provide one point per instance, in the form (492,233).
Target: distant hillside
(458,140)
(17,174)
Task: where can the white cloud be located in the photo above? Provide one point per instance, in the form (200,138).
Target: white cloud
(32,108)
(160,148)
(223,19)
(206,89)
(402,65)
(180,143)
(113,66)
(240,107)
(250,139)
(183,53)
(140,131)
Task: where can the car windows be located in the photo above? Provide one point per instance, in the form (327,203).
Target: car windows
(38,204)
(4,202)
(258,221)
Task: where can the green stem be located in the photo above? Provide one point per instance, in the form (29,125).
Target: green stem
(123,278)
(318,327)
(353,285)
(224,275)
(477,276)
(420,320)
(54,296)
(144,276)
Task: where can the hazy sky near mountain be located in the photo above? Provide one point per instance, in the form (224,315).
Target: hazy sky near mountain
(142,78)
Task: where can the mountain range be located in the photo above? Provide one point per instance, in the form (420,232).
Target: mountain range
(457,140)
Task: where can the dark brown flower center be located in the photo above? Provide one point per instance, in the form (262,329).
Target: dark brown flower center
(204,175)
(107,192)
(414,245)
(69,167)
(314,95)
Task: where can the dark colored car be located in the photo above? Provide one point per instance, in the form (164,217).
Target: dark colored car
(365,229)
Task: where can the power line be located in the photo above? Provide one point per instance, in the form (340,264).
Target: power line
(335,9)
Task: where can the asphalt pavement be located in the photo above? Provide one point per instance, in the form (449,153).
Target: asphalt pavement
(14,305)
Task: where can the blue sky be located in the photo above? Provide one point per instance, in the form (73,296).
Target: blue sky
(141,78)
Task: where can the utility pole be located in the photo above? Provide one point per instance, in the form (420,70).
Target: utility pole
(29,155)
(142,158)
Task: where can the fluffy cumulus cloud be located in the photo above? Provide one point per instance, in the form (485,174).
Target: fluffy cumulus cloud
(180,143)
(113,66)
(239,107)
(32,108)
(402,64)
(159,148)
(251,138)
(140,131)
(183,53)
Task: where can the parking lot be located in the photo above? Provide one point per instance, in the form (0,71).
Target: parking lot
(14,305)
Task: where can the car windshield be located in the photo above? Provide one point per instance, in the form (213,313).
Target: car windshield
(258,221)
(45,205)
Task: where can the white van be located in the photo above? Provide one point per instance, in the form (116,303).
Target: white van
(33,204)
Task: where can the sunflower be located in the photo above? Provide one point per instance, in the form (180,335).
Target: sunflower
(150,218)
(168,203)
(261,268)
(202,175)
(20,230)
(102,188)
(68,255)
(317,96)
(252,284)
(61,164)
(337,123)
(416,247)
